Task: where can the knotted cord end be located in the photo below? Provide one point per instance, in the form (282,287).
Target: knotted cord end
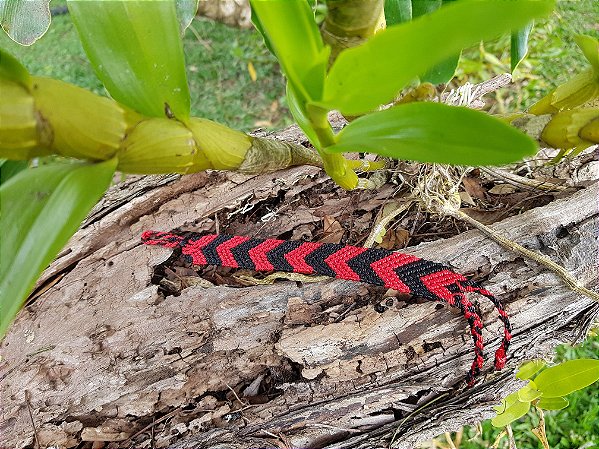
(165,239)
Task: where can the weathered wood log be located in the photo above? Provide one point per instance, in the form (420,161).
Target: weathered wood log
(101,354)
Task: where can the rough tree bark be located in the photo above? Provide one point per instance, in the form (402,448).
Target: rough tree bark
(100,355)
(232,12)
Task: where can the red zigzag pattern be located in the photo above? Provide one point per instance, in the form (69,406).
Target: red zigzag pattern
(405,273)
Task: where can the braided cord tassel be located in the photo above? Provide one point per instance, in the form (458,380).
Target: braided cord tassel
(501,353)
(402,272)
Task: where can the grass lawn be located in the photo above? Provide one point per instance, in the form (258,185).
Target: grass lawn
(576,426)
(218,61)
(217,68)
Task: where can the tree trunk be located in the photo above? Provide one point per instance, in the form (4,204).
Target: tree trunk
(100,354)
(232,12)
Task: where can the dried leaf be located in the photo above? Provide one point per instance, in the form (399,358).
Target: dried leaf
(467,199)
(252,72)
(395,239)
(473,187)
(503,189)
(332,230)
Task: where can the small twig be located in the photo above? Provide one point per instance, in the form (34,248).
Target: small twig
(27,399)
(471,93)
(510,436)
(570,281)
(243,404)
(539,431)
(152,439)
(414,413)
(40,350)
(154,422)
(495,444)
(449,440)
(521,181)
(328,426)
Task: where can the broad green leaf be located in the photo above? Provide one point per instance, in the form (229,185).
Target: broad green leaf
(590,48)
(529,369)
(8,169)
(136,51)
(398,11)
(553,403)
(41,209)
(186,11)
(366,76)
(12,70)
(25,21)
(510,410)
(519,45)
(567,377)
(528,393)
(435,132)
(290,28)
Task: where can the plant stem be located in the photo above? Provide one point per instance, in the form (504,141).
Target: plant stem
(351,22)
(334,163)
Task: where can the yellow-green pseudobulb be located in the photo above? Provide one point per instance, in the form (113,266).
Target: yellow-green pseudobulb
(18,125)
(161,145)
(80,123)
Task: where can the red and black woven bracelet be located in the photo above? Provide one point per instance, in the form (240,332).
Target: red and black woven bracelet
(402,272)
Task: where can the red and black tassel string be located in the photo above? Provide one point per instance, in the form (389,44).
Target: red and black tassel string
(402,272)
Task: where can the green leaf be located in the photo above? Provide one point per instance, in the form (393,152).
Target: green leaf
(567,377)
(590,48)
(510,400)
(398,11)
(529,369)
(25,21)
(511,409)
(519,45)
(12,70)
(186,11)
(423,7)
(435,132)
(8,169)
(290,28)
(258,26)
(300,116)
(371,74)
(136,51)
(41,209)
(442,72)
(528,393)
(557,403)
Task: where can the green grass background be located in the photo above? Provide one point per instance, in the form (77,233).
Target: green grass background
(222,90)
(217,59)
(576,426)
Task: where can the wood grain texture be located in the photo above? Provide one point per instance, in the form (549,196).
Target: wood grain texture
(101,352)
